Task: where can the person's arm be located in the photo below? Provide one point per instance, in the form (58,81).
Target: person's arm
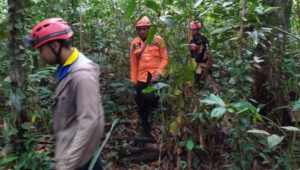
(206,48)
(133,66)
(88,107)
(163,61)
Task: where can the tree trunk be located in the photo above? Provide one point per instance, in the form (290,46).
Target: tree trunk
(267,87)
(17,57)
(242,13)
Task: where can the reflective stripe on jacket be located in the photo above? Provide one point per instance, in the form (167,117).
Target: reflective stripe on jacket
(153,60)
(78,120)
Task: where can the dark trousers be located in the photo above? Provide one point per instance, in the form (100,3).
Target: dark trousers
(146,104)
(97,166)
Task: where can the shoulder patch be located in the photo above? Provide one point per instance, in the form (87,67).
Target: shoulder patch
(137,46)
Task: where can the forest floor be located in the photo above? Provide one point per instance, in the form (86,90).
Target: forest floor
(128,149)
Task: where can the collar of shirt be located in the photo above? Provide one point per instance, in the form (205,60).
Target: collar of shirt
(63,70)
(72,58)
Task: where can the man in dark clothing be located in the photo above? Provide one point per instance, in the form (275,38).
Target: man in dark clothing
(200,53)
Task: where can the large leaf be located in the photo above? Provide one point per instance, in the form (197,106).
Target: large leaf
(274,140)
(130,9)
(218,112)
(213,99)
(291,128)
(151,34)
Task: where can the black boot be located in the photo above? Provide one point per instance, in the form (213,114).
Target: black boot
(197,79)
(146,130)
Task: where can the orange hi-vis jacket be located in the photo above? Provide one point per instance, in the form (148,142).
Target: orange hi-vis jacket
(153,60)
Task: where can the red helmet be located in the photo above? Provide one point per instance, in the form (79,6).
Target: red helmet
(194,25)
(143,22)
(48,30)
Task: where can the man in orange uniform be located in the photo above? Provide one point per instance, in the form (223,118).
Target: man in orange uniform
(147,64)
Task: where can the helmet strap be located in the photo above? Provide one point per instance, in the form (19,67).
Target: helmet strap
(57,55)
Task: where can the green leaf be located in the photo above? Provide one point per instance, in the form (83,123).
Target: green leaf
(274,140)
(152,5)
(181,143)
(220,30)
(296,105)
(259,10)
(2,54)
(160,85)
(166,19)
(297,75)
(148,90)
(271,9)
(170,1)
(291,128)
(255,37)
(151,34)
(197,3)
(227,4)
(130,9)
(218,112)
(257,131)
(190,144)
(213,99)
(206,11)
(262,155)
(244,104)
(257,116)
(11,158)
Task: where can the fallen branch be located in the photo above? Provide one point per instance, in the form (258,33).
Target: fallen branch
(146,156)
(136,139)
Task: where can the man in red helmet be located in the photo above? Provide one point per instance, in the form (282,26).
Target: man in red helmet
(147,65)
(78,118)
(200,52)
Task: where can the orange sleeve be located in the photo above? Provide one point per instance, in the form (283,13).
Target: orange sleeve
(164,57)
(133,65)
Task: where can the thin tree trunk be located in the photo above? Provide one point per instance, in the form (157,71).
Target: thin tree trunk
(242,13)
(17,57)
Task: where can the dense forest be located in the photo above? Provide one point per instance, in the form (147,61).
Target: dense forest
(246,118)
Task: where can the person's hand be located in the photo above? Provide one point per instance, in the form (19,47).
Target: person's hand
(202,65)
(155,78)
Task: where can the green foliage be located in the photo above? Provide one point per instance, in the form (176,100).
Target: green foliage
(105,32)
